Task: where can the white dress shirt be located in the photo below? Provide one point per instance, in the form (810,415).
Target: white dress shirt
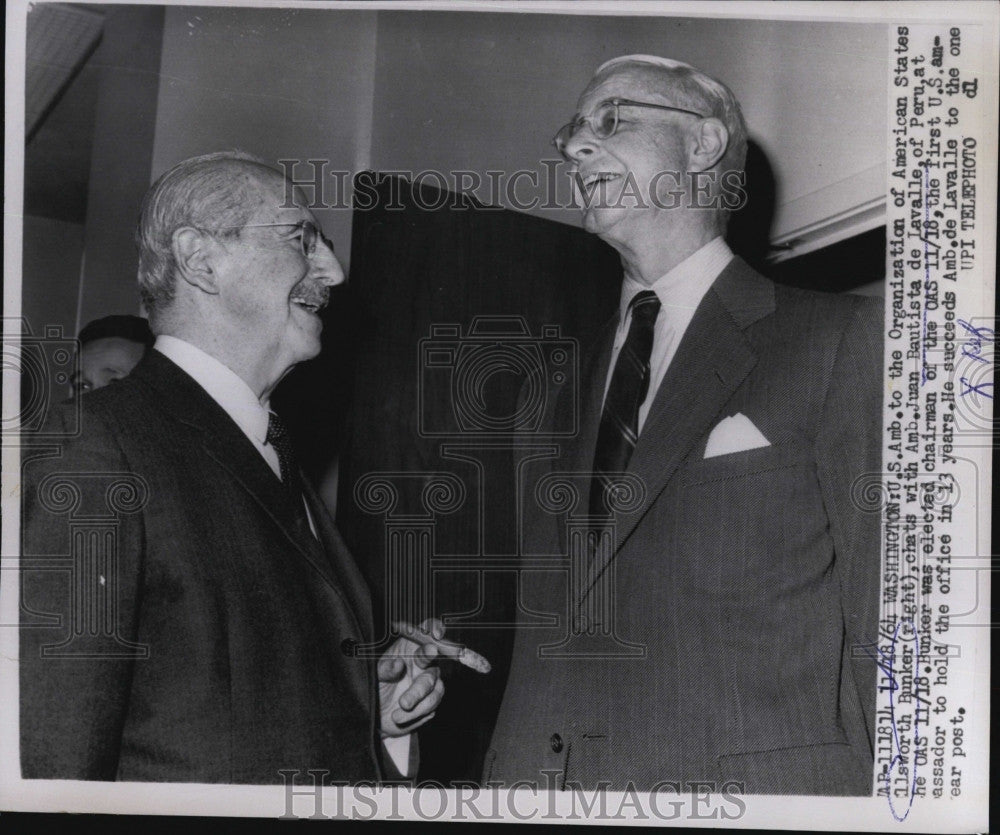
(227,389)
(238,401)
(680,291)
(233,395)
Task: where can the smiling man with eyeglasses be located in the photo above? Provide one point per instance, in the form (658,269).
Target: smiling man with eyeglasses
(222,610)
(713,632)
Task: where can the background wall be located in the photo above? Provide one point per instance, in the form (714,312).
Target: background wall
(449,91)
(281,84)
(128,61)
(53,253)
(482,91)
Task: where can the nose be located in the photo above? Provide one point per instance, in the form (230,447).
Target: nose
(323,264)
(581,144)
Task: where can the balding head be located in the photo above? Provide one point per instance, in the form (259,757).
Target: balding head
(688,87)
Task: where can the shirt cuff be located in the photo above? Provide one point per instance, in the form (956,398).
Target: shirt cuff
(398,749)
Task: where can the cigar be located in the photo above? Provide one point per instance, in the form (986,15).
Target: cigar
(462,654)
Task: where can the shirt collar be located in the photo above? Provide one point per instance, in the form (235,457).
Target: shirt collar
(686,284)
(221,383)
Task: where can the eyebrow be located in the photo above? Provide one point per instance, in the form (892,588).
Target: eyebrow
(596,105)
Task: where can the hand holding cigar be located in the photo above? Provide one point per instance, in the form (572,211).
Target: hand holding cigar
(462,654)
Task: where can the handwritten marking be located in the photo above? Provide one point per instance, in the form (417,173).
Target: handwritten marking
(976,388)
(973,347)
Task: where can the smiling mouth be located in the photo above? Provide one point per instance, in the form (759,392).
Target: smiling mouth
(311,300)
(312,307)
(592,182)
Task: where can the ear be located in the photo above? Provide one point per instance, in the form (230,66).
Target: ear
(709,141)
(191,251)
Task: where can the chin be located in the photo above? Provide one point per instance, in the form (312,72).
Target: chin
(604,224)
(593,222)
(306,348)
(310,352)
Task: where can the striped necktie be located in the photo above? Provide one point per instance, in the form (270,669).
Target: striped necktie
(629,385)
(277,436)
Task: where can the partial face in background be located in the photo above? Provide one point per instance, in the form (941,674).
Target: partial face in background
(272,291)
(104,361)
(627,177)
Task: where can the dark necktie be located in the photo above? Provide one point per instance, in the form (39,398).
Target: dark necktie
(277,436)
(629,385)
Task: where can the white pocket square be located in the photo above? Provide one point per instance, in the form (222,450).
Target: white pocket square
(734,434)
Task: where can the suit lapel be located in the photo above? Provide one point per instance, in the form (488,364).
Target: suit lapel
(711,362)
(575,459)
(336,556)
(225,443)
(349,586)
(580,457)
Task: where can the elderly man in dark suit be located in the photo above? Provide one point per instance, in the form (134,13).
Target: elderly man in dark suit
(210,630)
(713,627)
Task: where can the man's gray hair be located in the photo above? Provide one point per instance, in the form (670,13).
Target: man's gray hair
(691,88)
(204,192)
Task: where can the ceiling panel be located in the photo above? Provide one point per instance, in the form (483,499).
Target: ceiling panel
(60,38)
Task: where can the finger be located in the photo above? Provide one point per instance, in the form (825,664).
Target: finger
(422,686)
(426,655)
(434,627)
(424,638)
(413,633)
(427,705)
(402,648)
(419,688)
(409,726)
(391,668)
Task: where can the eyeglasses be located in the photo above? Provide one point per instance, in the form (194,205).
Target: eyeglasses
(605,119)
(311,234)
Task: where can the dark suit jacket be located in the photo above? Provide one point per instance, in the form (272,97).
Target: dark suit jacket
(204,636)
(721,645)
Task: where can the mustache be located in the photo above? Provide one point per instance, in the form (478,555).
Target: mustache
(311,292)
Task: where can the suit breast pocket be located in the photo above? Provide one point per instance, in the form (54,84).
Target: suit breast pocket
(749,462)
(751,520)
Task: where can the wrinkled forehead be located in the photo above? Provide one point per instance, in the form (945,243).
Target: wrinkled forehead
(646,83)
(272,194)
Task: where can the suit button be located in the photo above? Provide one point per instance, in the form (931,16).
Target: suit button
(347,647)
(556,742)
